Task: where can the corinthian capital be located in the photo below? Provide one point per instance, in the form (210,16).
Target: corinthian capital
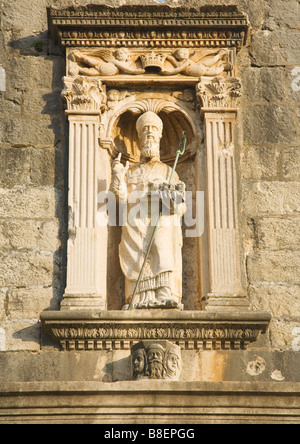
(84,95)
(219,94)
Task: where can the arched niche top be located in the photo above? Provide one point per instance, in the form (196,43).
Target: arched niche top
(175,120)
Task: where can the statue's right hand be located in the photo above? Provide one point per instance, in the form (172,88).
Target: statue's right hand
(118,168)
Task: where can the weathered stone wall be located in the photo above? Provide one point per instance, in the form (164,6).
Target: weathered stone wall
(33,166)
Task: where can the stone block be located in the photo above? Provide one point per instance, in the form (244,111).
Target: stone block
(31,73)
(275,48)
(11,103)
(48,236)
(281,14)
(28,203)
(23,131)
(42,102)
(271,198)
(280,267)
(277,233)
(279,300)
(2,305)
(22,269)
(28,303)
(290,163)
(263,84)
(15,167)
(42,162)
(282,334)
(260,162)
(18,235)
(21,335)
(28,166)
(269,124)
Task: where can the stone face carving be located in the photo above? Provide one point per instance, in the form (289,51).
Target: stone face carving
(160,286)
(104,62)
(156,360)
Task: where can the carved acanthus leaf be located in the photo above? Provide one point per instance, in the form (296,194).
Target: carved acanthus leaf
(84,94)
(219,93)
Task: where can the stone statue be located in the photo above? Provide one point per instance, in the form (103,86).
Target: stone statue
(161,282)
(108,65)
(156,360)
(198,65)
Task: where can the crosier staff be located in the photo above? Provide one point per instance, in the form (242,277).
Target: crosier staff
(180,152)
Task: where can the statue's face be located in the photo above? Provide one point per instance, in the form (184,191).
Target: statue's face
(122,55)
(182,54)
(155,361)
(155,355)
(138,362)
(150,132)
(150,136)
(172,362)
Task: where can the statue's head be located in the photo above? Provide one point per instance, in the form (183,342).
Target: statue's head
(182,54)
(122,54)
(149,128)
(155,355)
(173,362)
(139,363)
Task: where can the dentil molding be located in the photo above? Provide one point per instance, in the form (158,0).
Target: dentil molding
(190,330)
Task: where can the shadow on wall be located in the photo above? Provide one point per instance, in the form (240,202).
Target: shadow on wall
(118,370)
(44,56)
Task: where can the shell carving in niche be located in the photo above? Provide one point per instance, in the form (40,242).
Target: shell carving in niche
(174,123)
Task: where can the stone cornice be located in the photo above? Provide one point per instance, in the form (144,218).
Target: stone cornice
(191,330)
(136,26)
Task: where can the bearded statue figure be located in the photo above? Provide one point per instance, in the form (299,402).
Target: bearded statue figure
(161,282)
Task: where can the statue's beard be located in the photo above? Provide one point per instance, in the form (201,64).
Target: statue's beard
(150,149)
(156,369)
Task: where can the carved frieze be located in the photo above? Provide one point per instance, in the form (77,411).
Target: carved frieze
(189,330)
(183,61)
(132,26)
